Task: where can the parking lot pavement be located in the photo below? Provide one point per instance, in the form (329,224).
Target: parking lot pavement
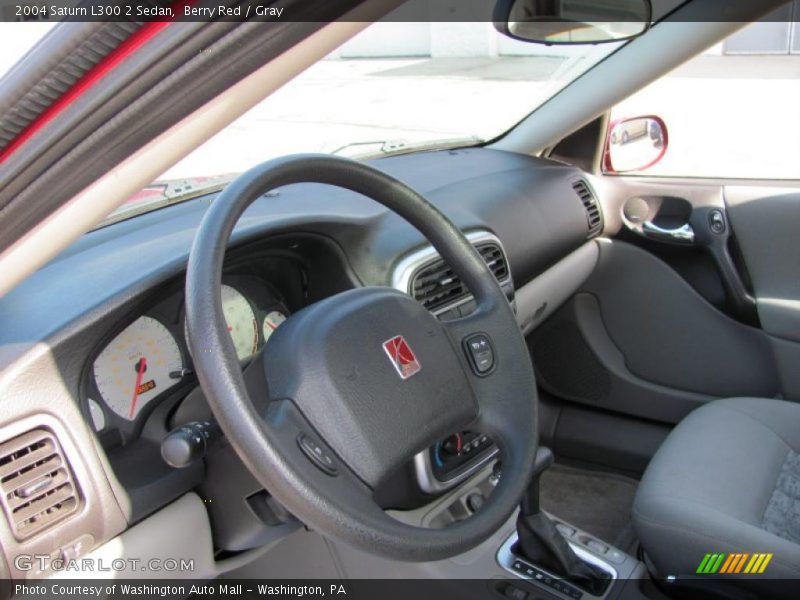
(726,114)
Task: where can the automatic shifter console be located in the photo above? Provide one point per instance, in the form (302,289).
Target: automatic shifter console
(541,549)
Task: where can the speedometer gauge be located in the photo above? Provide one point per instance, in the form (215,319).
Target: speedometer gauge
(135,367)
(241,321)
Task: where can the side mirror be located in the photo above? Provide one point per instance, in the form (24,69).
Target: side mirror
(635,144)
(572,21)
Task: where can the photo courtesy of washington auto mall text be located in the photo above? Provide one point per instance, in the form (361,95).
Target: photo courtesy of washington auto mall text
(162,589)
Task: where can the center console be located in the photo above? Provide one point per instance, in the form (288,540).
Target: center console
(554,571)
(588,548)
(543,557)
(497,571)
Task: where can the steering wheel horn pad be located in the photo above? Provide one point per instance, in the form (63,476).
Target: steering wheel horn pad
(329,359)
(329,376)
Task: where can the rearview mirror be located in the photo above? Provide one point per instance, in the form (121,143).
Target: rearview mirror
(635,144)
(572,21)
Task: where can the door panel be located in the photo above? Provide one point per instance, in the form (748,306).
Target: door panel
(637,339)
(670,335)
(663,326)
(576,360)
(766,220)
(685,223)
(767,224)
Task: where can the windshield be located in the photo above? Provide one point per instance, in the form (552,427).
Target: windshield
(401,83)
(394,87)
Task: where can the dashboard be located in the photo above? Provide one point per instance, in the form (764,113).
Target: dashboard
(95,340)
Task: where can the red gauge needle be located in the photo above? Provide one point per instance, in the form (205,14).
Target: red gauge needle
(141,366)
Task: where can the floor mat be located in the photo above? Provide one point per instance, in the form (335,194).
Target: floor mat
(599,503)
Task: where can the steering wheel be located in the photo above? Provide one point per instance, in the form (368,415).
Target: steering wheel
(350,388)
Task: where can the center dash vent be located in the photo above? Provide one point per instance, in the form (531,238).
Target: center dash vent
(436,285)
(594,216)
(37,485)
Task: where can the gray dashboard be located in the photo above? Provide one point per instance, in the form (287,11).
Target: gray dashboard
(339,240)
(527,202)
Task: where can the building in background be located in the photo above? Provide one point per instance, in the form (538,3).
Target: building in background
(778,34)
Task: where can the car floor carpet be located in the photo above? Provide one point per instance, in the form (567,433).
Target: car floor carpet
(596,502)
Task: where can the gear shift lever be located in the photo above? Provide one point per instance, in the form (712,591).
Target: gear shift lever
(542,544)
(530,501)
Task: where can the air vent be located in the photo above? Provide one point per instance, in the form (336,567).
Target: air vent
(593,215)
(436,285)
(37,486)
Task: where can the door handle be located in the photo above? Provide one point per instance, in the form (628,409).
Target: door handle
(678,235)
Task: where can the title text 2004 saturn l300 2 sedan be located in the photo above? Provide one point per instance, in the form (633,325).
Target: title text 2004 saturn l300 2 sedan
(508,300)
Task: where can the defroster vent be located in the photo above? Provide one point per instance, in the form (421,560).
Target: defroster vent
(436,285)
(37,485)
(594,216)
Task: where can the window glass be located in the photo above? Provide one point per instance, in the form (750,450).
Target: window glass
(396,86)
(731,112)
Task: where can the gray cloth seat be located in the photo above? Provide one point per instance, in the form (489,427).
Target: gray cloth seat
(727,479)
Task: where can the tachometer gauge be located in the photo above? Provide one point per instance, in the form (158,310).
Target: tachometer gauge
(135,367)
(241,321)
(271,323)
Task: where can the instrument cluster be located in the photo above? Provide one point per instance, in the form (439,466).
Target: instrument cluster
(146,358)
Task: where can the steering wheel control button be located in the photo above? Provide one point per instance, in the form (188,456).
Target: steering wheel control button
(716,221)
(317,454)
(480,353)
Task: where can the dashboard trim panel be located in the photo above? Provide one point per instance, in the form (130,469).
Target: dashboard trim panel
(403,273)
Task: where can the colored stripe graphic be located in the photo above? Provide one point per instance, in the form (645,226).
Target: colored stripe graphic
(703,564)
(711,563)
(740,563)
(731,560)
(735,563)
(717,563)
(755,562)
(730,564)
(759,568)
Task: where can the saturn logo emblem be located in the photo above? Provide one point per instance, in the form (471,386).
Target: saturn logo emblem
(401,357)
